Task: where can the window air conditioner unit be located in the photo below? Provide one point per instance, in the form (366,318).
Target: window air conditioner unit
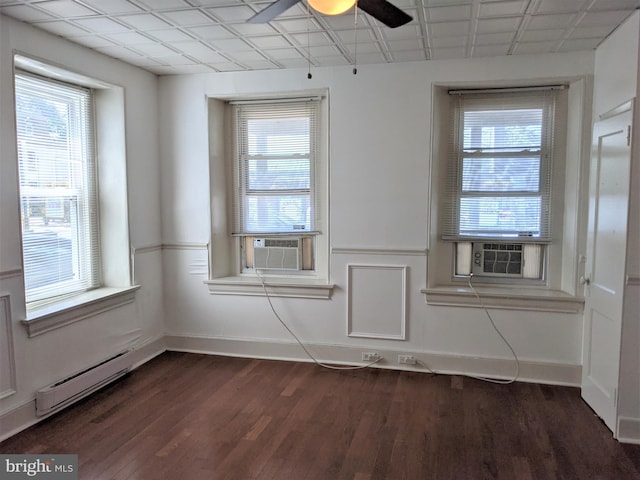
(277,253)
(498,259)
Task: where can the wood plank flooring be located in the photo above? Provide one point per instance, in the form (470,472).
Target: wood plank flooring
(189,417)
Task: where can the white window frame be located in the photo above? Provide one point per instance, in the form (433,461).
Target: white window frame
(533,257)
(227,275)
(77,192)
(560,290)
(117,287)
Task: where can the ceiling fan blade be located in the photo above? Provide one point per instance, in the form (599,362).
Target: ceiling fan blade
(272,11)
(385,12)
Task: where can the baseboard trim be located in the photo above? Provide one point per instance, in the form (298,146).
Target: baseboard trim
(24,416)
(629,430)
(496,368)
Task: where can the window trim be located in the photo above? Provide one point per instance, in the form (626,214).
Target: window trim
(118,286)
(89,244)
(565,258)
(225,276)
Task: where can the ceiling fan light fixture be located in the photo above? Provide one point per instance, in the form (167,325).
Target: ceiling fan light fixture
(331,7)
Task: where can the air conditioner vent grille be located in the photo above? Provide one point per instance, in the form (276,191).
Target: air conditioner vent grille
(281,242)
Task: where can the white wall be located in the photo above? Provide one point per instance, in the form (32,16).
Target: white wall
(380,124)
(43,359)
(616,81)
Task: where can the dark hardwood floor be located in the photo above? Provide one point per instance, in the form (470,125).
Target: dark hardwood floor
(190,417)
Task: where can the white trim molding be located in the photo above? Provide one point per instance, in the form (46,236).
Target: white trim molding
(628,430)
(366,317)
(427,362)
(276,287)
(17,272)
(7,364)
(420,252)
(538,300)
(77,308)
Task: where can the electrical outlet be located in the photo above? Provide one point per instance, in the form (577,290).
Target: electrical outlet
(407,359)
(370,356)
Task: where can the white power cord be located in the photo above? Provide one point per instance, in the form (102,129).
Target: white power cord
(309,354)
(506,342)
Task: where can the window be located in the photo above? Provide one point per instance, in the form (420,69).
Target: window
(276,178)
(60,242)
(498,201)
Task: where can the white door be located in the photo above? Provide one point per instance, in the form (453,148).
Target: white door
(605,268)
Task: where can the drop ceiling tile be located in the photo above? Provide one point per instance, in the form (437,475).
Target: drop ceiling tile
(164,70)
(60,27)
(260,65)
(535,47)
(495,25)
(448,42)
(248,56)
(170,35)
(273,41)
(128,38)
(154,50)
(449,29)
(414,44)
(143,21)
(283,53)
(112,6)
(549,22)
(118,52)
(25,13)
(362,49)
(494,38)
(409,56)
(200,52)
(503,8)
(296,25)
(231,45)
(163,4)
(185,18)
(247,29)
(362,35)
(174,59)
(581,44)
(232,14)
(316,38)
(556,6)
(324,51)
(448,53)
(542,35)
(93,41)
(293,63)
(591,32)
(342,22)
(370,59)
(65,8)
(491,50)
(615,5)
(102,25)
(211,32)
(331,61)
(599,19)
(447,14)
(225,67)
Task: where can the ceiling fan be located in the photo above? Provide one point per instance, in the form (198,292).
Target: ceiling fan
(381,10)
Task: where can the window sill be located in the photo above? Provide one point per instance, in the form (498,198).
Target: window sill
(506,298)
(76,308)
(276,287)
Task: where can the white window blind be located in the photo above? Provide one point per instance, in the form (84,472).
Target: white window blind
(499,176)
(275,167)
(57,187)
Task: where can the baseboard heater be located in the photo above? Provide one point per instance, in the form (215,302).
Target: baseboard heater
(71,389)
